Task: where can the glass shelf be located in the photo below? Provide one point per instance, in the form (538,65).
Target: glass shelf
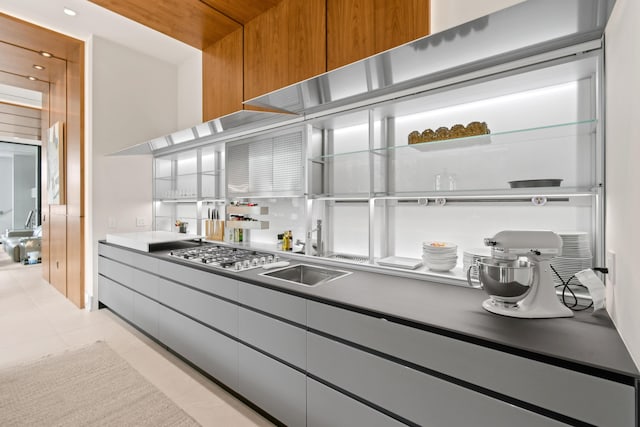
(552,131)
(217,172)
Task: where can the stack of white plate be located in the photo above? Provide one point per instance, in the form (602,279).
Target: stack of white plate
(439,256)
(469,258)
(575,256)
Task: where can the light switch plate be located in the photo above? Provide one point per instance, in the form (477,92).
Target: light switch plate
(111,222)
(611,267)
(140,222)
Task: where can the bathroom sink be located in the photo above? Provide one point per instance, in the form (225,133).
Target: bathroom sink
(308,275)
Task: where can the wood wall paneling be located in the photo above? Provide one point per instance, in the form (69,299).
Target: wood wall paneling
(223,81)
(399,21)
(350,31)
(241,11)
(284,45)
(75,260)
(58,250)
(74,129)
(45,244)
(190,21)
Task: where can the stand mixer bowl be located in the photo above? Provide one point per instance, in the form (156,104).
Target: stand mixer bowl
(506,281)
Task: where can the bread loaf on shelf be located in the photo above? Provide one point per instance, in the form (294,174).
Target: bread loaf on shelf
(443,133)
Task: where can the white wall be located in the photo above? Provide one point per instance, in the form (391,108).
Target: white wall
(190,92)
(622,171)
(131,98)
(449,13)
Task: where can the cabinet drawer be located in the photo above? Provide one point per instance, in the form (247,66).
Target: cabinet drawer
(145,283)
(115,271)
(144,262)
(274,387)
(116,297)
(560,390)
(145,314)
(327,407)
(273,302)
(210,351)
(208,282)
(278,338)
(411,394)
(208,309)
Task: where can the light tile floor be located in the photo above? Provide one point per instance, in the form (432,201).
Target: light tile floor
(36,320)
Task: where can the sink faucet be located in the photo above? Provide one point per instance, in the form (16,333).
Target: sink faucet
(318,231)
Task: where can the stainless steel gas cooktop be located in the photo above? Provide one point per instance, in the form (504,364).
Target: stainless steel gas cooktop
(224,257)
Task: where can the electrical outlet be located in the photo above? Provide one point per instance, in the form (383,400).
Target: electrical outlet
(140,222)
(611,266)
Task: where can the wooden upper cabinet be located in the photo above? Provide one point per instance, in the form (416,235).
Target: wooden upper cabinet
(357,29)
(350,30)
(222,85)
(400,21)
(284,45)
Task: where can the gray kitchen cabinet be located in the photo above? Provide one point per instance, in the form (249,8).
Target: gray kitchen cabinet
(116,271)
(413,395)
(557,389)
(327,407)
(145,314)
(116,297)
(278,338)
(126,256)
(202,280)
(276,303)
(276,388)
(215,312)
(211,351)
(145,283)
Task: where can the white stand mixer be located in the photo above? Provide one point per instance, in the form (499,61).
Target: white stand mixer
(540,299)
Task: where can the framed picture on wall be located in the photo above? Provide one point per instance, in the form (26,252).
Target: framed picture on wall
(55,164)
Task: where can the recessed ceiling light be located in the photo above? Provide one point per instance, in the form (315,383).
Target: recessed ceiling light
(38,67)
(33,79)
(46,54)
(69,12)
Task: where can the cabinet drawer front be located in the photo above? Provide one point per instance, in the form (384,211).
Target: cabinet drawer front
(145,314)
(273,302)
(125,256)
(411,394)
(116,297)
(274,387)
(557,389)
(327,407)
(145,283)
(115,271)
(278,338)
(210,351)
(208,282)
(213,311)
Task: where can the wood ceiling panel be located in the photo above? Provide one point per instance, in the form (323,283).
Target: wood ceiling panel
(20,61)
(20,33)
(190,21)
(241,11)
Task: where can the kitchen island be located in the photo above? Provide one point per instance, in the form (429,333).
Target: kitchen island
(371,348)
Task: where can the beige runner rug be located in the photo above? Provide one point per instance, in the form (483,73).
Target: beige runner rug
(92,386)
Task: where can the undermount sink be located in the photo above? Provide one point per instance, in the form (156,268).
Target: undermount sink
(308,275)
